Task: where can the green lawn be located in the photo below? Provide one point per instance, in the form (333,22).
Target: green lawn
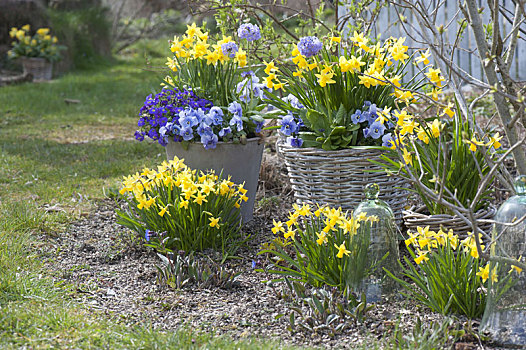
(65,154)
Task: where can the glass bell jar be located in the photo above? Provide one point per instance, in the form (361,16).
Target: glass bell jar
(381,236)
(505,314)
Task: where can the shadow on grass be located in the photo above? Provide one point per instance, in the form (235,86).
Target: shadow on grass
(94,160)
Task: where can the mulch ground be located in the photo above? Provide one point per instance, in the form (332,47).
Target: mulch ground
(113,274)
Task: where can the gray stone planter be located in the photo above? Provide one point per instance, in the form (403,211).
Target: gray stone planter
(40,68)
(241,162)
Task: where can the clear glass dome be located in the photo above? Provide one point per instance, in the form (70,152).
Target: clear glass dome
(505,314)
(383,248)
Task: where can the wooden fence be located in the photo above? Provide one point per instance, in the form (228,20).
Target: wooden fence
(466,55)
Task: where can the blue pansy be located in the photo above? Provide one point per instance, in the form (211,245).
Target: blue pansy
(295,141)
(387,140)
(236,109)
(209,140)
(236,121)
(376,130)
(288,125)
(225,131)
(358,117)
(187,134)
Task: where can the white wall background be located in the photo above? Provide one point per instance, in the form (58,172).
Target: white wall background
(466,56)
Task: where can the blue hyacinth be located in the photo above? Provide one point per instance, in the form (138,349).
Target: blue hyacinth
(309,46)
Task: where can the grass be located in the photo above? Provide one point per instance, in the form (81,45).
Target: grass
(63,155)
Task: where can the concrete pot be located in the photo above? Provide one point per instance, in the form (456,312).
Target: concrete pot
(241,162)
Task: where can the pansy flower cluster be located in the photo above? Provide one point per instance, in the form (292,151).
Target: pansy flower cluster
(182,116)
(165,107)
(291,123)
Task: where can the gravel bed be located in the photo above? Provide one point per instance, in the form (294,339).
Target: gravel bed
(113,274)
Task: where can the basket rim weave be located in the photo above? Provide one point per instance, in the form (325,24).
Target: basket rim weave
(338,177)
(415,217)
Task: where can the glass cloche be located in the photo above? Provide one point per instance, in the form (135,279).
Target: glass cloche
(505,314)
(383,246)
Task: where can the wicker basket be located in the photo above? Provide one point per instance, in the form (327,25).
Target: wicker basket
(337,178)
(415,218)
(40,68)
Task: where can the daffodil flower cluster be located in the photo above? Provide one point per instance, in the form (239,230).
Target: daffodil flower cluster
(42,44)
(195,210)
(330,245)
(448,272)
(442,153)
(425,242)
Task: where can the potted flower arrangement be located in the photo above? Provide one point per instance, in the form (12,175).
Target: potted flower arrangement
(37,52)
(209,111)
(342,103)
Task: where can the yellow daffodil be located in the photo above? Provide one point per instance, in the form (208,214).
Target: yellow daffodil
(516,268)
(20,35)
(269,80)
(298,74)
(342,250)
(424,57)
(278,227)
(290,234)
(434,93)
(336,39)
(345,65)
(367,81)
(191,30)
(325,76)
(270,67)
(200,198)
(422,135)
(422,257)
(483,273)
(408,158)
(27,27)
(362,216)
(436,126)
(295,52)
(408,127)
(211,57)
(359,39)
(453,239)
(312,65)
(278,85)
(494,141)
(494,276)
(448,110)
(214,222)
(163,211)
(395,81)
(322,238)
(171,63)
(435,76)
(473,143)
